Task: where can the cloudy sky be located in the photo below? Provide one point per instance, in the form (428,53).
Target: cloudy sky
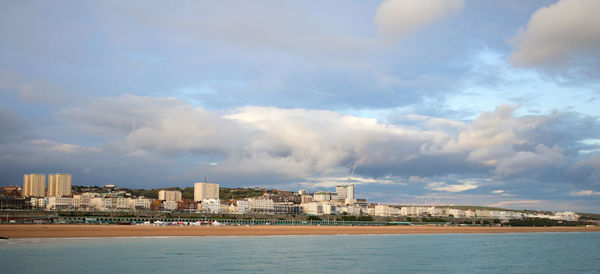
(429,101)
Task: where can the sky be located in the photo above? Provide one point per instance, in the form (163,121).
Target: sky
(420,102)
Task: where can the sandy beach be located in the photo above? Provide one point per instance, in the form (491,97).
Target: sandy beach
(76,231)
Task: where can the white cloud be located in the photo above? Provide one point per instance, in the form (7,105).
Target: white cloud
(502,193)
(463,186)
(517,202)
(329,182)
(568,30)
(50,145)
(398,18)
(585,193)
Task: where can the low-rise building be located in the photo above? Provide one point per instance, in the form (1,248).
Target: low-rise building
(287,208)
(319,208)
(386,211)
(352,210)
(243,206)
(39,203)
(212,206)
(140,204)
(15,202)
(170,205)
(261,206)
(62,203)
(321,196)
(413,211)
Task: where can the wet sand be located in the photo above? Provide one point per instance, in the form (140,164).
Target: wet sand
(78,231)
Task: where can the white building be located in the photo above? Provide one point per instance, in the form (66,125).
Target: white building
(212,206)
(321,196)
(204,191)
(170,205)
(101,204)
(318,208)
(437,211)
(169,195)
(261,205)
(386,211)
(483,214)
(39,202)
(413,211)
(566,216)
(456,213)
(345,193)
(243,206)
(62,203)
(120,204)
(350,210)
(140,204)
(85,201)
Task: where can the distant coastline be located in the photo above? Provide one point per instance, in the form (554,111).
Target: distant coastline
(77,231)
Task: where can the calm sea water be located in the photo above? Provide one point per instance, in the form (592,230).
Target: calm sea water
(459,253)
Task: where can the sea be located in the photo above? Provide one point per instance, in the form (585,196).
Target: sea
(573,252)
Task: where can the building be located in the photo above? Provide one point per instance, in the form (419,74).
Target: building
(316,208)
(321,196)
(38,203)
(386,211)
(59,185)
(169,195)
(352,210)
(85,200)
(212,206)
(243,206)
(187,206)
(62,203)
(205,191)
(413,211)
(15,191)
(12,202)
(170,205)
(140,204)
(34,185)
(306,198)
(287,208)
(100,204)
(261,205)
(345,193)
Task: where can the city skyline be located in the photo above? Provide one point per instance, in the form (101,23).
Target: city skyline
(490,103)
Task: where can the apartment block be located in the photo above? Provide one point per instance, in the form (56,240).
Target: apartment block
(34,185)
(205,191)
(59,185)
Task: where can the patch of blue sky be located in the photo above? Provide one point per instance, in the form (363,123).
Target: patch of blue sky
(492,82)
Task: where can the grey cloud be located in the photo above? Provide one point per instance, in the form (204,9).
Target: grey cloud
(149,141)
(13,127)
(293,144)
(163,125)
(261,26)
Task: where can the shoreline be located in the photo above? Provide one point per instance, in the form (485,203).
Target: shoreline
(13,231)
